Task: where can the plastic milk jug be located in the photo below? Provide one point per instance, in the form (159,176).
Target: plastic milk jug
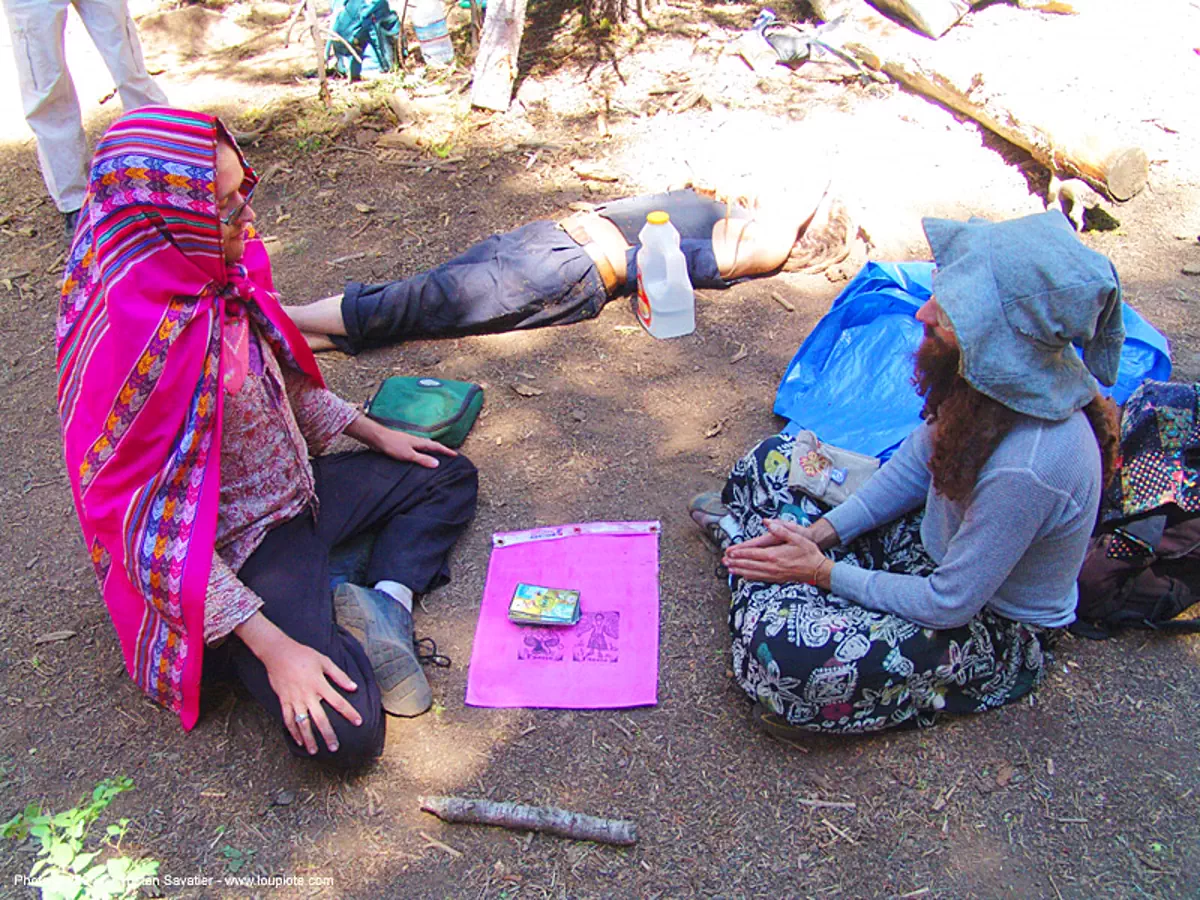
(429,22)
(666,305)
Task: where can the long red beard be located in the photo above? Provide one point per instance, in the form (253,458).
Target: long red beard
(935,371)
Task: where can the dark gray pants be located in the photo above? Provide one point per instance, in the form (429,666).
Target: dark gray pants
(416,515)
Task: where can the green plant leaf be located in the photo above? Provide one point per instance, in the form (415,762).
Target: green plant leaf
(59,886)
(17,827)
(118,866)
(82,861)
(62,855)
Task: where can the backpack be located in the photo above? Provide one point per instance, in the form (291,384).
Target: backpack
(371,28)
(1142,568)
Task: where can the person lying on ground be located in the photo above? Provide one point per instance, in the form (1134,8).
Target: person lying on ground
(190,406)
(556,273)
(938,586)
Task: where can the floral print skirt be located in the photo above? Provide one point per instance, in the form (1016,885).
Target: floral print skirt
(827,664)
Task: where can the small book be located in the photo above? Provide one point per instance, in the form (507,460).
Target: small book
(536,605)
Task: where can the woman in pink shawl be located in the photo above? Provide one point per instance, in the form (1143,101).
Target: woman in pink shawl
(193,419)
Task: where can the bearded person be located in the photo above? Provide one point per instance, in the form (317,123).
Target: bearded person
(939,585)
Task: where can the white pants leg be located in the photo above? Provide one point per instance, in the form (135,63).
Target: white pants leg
(112,30)
(48,95)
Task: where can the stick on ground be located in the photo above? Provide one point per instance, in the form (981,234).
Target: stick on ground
(547,819)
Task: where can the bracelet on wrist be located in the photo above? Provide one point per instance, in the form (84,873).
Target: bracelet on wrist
(816,572)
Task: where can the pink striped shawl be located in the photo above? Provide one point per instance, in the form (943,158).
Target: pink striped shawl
(144,301)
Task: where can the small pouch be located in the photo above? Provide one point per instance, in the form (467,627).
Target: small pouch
(827,473)
(435,408)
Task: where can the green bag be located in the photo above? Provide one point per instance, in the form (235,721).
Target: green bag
(436,408)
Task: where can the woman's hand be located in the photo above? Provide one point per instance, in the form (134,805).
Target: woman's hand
(397,444)
(300,678)
(786,553)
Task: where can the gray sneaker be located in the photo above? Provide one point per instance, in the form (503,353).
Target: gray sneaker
(385,629)
(707,511)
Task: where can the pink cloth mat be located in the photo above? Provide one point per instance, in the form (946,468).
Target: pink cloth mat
(609,659)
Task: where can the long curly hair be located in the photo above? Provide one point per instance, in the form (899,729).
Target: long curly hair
(971,424)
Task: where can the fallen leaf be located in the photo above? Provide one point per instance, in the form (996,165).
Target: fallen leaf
(741,354)
(527,390)
(363,208)
(583,206)
(593,171)
(51,636)
(279,220)
(627,329)
(1004,776)
(1049,766)
(714,430)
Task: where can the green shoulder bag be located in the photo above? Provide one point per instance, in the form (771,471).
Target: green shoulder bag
(435,408)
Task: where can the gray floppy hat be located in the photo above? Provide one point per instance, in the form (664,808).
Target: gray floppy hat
(1019,294)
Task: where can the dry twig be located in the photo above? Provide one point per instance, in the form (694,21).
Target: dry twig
(824,804)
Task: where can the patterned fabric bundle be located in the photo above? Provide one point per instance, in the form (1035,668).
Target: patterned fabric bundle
(1160,460)
(146,302)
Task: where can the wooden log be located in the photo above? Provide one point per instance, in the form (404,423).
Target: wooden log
(497,61)
(548,819)
(1120,172)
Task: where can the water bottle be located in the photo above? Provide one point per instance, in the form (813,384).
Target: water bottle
(666,305)
(429,22)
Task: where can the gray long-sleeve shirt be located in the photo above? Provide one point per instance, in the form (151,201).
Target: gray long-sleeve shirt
(1015,545)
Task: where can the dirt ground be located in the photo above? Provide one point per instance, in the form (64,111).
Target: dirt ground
(1088,790)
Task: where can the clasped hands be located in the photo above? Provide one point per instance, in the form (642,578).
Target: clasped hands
(786,553)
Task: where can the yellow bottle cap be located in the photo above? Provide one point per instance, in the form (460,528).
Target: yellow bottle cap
(658,218)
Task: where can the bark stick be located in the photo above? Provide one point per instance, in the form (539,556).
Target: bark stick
(497,61)
(547,819)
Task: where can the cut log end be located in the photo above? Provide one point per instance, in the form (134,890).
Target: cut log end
(1126,172)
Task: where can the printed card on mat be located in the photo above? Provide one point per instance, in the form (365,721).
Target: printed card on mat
(536,605)
(608,573)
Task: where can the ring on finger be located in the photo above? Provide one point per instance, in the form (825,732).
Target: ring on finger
(301,718)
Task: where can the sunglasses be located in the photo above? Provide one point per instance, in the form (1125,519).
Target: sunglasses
(236,213)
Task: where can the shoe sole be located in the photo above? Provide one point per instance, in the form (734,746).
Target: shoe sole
(406,697)
(788,734)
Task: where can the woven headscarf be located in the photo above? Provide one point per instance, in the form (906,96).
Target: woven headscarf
(146,300)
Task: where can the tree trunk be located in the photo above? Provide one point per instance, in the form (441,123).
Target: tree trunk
(496,62)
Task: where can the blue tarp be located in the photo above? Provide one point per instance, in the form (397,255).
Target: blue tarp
(851,380)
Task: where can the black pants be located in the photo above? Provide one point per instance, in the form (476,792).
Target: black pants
(416,514)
